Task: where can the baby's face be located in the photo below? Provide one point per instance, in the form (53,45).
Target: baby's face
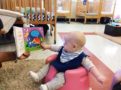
(74,42)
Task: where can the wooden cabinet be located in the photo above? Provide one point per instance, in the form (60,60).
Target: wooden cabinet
(107,8)
(90,9)
(64,8)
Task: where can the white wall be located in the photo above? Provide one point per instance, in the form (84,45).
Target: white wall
(118,9)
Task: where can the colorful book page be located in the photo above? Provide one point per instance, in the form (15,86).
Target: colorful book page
(33,37)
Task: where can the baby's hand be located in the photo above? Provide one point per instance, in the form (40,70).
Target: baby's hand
(101,79)
(45,46)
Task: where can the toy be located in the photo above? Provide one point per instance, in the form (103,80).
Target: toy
(117,19)
(84,2)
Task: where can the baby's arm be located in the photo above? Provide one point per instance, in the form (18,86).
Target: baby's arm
(91,67)
(51,47)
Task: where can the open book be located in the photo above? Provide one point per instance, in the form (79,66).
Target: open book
(28,39)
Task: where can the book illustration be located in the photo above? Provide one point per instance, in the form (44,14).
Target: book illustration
(28,39)
(32,38)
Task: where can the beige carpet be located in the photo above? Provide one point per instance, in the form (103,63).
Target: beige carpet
(14,76)
(112,38)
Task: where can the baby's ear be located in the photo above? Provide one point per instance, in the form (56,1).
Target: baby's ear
(75,45)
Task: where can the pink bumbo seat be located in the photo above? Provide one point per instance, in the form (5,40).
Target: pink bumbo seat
(76,79)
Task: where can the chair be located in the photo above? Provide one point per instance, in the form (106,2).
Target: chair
(76,79)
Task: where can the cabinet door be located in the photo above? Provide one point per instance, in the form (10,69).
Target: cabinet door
(108,6)
(93,6)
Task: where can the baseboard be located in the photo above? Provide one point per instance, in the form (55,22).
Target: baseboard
(80,20)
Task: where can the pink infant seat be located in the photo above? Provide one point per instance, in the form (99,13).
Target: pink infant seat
(76,79)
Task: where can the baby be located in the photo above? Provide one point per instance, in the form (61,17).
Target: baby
(70,56)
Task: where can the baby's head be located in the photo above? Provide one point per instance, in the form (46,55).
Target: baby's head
(74,41)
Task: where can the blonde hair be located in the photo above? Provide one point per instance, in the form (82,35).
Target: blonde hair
(78,38)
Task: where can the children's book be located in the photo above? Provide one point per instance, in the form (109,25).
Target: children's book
(28,39)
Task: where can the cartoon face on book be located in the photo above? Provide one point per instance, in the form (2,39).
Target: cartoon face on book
(33,37)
